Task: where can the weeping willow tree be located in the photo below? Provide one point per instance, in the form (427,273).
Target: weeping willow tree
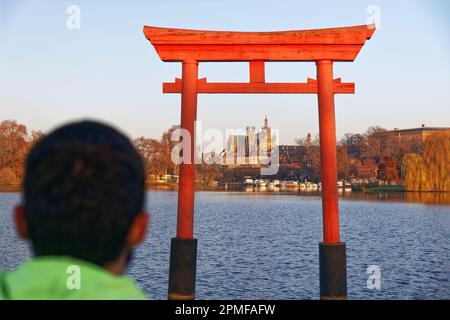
(429,171)
(414,172)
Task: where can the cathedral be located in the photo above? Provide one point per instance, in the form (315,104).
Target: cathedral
(253,148)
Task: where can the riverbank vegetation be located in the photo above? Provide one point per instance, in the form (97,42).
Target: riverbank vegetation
(429,170)
(370,157)
(15,141)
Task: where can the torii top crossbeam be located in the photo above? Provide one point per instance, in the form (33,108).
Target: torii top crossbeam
(338,44)
(335,44)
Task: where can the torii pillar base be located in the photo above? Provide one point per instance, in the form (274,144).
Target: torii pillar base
(182,273)
(333,271)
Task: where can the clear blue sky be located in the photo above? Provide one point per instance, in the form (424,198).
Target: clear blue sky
(107,70)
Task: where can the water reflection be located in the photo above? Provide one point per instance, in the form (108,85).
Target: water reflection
(436,198)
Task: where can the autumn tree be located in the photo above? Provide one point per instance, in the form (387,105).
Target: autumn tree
(436,156)
(344,163)
(8,177)
(379,142)
(387,169)
(13,147)
(34,137)
(429,171)
(310,164)
(415,173)
(356,144)
(149,149)
(405,146)
(157,153)
(167,145)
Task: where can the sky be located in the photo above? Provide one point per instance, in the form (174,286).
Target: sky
(107,70)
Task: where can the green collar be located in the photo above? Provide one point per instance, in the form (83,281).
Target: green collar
(62,277)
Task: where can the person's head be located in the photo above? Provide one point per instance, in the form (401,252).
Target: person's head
(83,195)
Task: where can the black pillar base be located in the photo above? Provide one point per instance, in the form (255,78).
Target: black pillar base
(333,271)
(183,264)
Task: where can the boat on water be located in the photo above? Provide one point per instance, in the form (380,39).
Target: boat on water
(347,187)
(311,186)
(271,185)
(291,184)
(248,188)
(261,183)
(344,186)
(248,181)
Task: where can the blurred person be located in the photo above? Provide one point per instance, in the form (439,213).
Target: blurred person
(83,215)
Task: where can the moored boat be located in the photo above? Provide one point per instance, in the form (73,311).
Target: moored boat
(248,181)
(291,184)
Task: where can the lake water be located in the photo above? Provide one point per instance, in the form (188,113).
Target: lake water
(265,246)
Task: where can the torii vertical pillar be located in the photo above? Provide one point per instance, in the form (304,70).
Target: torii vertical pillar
(332,255)
(183,251)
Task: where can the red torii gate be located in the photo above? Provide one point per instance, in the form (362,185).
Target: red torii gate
(324,46)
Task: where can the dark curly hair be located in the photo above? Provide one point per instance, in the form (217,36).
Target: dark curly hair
(83,186)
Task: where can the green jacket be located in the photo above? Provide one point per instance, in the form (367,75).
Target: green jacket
(58,277)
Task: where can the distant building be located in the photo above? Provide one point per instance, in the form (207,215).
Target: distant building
(253,148)
(236,150)
(419,133)
(367,171)
(265,137)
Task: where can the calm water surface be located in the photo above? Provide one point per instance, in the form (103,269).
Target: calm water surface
(265,246)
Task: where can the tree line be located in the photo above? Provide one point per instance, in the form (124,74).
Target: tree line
(422,165)
(15,142)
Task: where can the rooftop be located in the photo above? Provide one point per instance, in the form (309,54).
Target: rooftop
(422,128)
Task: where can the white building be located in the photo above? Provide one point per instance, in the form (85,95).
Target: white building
(253,148)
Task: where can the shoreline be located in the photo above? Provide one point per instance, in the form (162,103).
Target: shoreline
(7,189)
(423,197)
(242,188)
